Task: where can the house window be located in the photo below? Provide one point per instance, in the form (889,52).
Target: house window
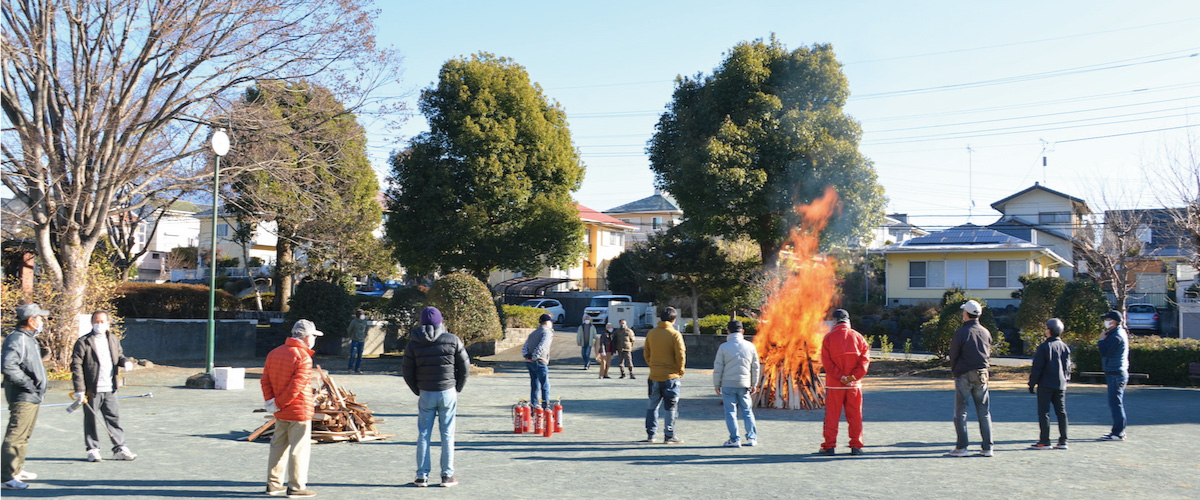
(141,232)
(927,274)
(222,230)
(656,222)
(615,238)
(917,274)
(154,255)
(997,273)
(1054,218)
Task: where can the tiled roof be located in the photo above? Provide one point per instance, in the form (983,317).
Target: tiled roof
(589,215)
(652,203)
(999,205)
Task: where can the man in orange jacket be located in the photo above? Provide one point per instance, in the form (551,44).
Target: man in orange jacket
(285,387)
(844,354)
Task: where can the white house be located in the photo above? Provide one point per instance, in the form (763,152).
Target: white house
(653,213)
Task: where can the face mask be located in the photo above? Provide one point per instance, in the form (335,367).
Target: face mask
(362,316)
(100,328)
(311,340)
(1109,324)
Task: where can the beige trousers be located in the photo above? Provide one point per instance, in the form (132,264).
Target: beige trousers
(290,446)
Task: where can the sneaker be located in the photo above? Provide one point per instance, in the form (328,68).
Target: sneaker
(957,452)
(649,439)
(14,484)
(25,475)
(94,456)
(1060,446)
(673,440)
(622,375)
(631,377)
(732,443)
(421,482)
(856,451)
(826,451)
(448,481)
(1039,446)
(299,493)
(276,492)
(1112,437)
(984,453)
(124,454)
(751,442)
(606,376)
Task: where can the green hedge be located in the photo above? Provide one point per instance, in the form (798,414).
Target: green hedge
(1165,360)
(328,305)
(467,307)
(715,325)
(522,316)
(169,301)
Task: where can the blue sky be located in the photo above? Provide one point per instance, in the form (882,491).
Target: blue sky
(927,80)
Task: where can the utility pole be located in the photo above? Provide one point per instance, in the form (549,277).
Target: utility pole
(970,182)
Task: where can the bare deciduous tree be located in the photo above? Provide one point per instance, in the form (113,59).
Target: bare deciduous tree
(1177,173)
(106,103)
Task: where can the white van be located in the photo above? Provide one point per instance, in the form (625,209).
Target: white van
(596,312)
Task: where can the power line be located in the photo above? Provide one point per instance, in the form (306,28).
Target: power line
(1045,115)
(970,135)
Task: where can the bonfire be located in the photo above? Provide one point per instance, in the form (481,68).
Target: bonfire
(792,324)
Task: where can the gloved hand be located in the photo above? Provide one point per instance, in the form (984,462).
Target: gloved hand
(270,406)
(77,396)
(1031,391)
(129,366)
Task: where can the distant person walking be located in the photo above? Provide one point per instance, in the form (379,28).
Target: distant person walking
(356,331)
(537,360)
(286,389)
(735,377)
(435,368)
(583,338)
(1048,379)
(1114,359)
(970,355)
(845,355)
(94,362)
(604,349)
(24,388)
(623,342)
(665,355)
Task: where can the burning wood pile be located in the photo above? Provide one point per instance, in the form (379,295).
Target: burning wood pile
(792,325)
(336,416)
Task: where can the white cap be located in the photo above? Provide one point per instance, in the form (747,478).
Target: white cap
(973,308)
(304,328)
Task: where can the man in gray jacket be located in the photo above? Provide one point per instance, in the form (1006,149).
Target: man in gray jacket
(970,355)
(94,362)
(735,378)
(24,387)
(537,358)
(1051,369)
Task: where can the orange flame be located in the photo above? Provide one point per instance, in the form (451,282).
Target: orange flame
(789,338)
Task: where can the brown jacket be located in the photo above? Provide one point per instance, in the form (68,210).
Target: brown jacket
(85,362)
(623,339)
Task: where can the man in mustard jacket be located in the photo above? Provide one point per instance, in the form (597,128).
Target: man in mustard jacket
(665,355)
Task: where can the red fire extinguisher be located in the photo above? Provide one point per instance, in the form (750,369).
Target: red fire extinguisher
(548,425)
(537,419)
(527,414)
(518,420)
(558,415)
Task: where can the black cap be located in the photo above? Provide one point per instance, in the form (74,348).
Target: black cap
(734,326)
(1114,315)
(544,318)
(841,316)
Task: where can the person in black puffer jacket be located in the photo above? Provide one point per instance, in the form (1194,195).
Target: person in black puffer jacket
(435,369)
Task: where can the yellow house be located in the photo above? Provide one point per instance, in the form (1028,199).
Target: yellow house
(983,262)
(604,237)
(654,213)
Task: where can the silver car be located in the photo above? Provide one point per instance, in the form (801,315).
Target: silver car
(1142,317)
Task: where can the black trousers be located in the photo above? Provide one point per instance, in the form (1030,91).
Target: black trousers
(1047,398)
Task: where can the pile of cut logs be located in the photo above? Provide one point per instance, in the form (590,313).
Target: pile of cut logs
(336,416)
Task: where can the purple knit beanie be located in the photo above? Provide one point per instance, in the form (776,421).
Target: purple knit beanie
(431,316)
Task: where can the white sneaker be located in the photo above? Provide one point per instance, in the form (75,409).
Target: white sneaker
(957,452)
(94,456)
(124,454)
(25,475)
(751,442)
(14,484)
(984,453)
(733,444)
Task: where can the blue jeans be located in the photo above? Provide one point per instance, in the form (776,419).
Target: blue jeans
(737,400)
(441,405)
(586,354)
(356,352)
(963,390)
(1116,399)
(539,381)
(660,393)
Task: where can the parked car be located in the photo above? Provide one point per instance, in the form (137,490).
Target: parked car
(597,310)
(556,309)
(1142,317)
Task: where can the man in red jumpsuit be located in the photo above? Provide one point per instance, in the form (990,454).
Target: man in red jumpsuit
(844,354)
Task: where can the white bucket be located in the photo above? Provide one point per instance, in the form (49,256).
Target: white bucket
(229,379)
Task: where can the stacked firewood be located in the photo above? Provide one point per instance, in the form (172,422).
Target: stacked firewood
(802,389)
(336,416)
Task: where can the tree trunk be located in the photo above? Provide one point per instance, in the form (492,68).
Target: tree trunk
(769,252)
(695,308)
(284,267)
(61,338)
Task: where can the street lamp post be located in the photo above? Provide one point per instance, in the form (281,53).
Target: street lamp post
(220,146)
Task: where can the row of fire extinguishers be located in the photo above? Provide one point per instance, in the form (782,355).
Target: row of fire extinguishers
(532,419)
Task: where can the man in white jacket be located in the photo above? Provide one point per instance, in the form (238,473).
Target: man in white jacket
(735,378)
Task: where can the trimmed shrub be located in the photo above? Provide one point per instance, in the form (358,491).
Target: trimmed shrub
(522,316)
(268,300)
(715,324)
(1165,360)
(405,307)
(1038,298)
(467,308)
(169,301)
(1079,307)
(936,336)
(327,305)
